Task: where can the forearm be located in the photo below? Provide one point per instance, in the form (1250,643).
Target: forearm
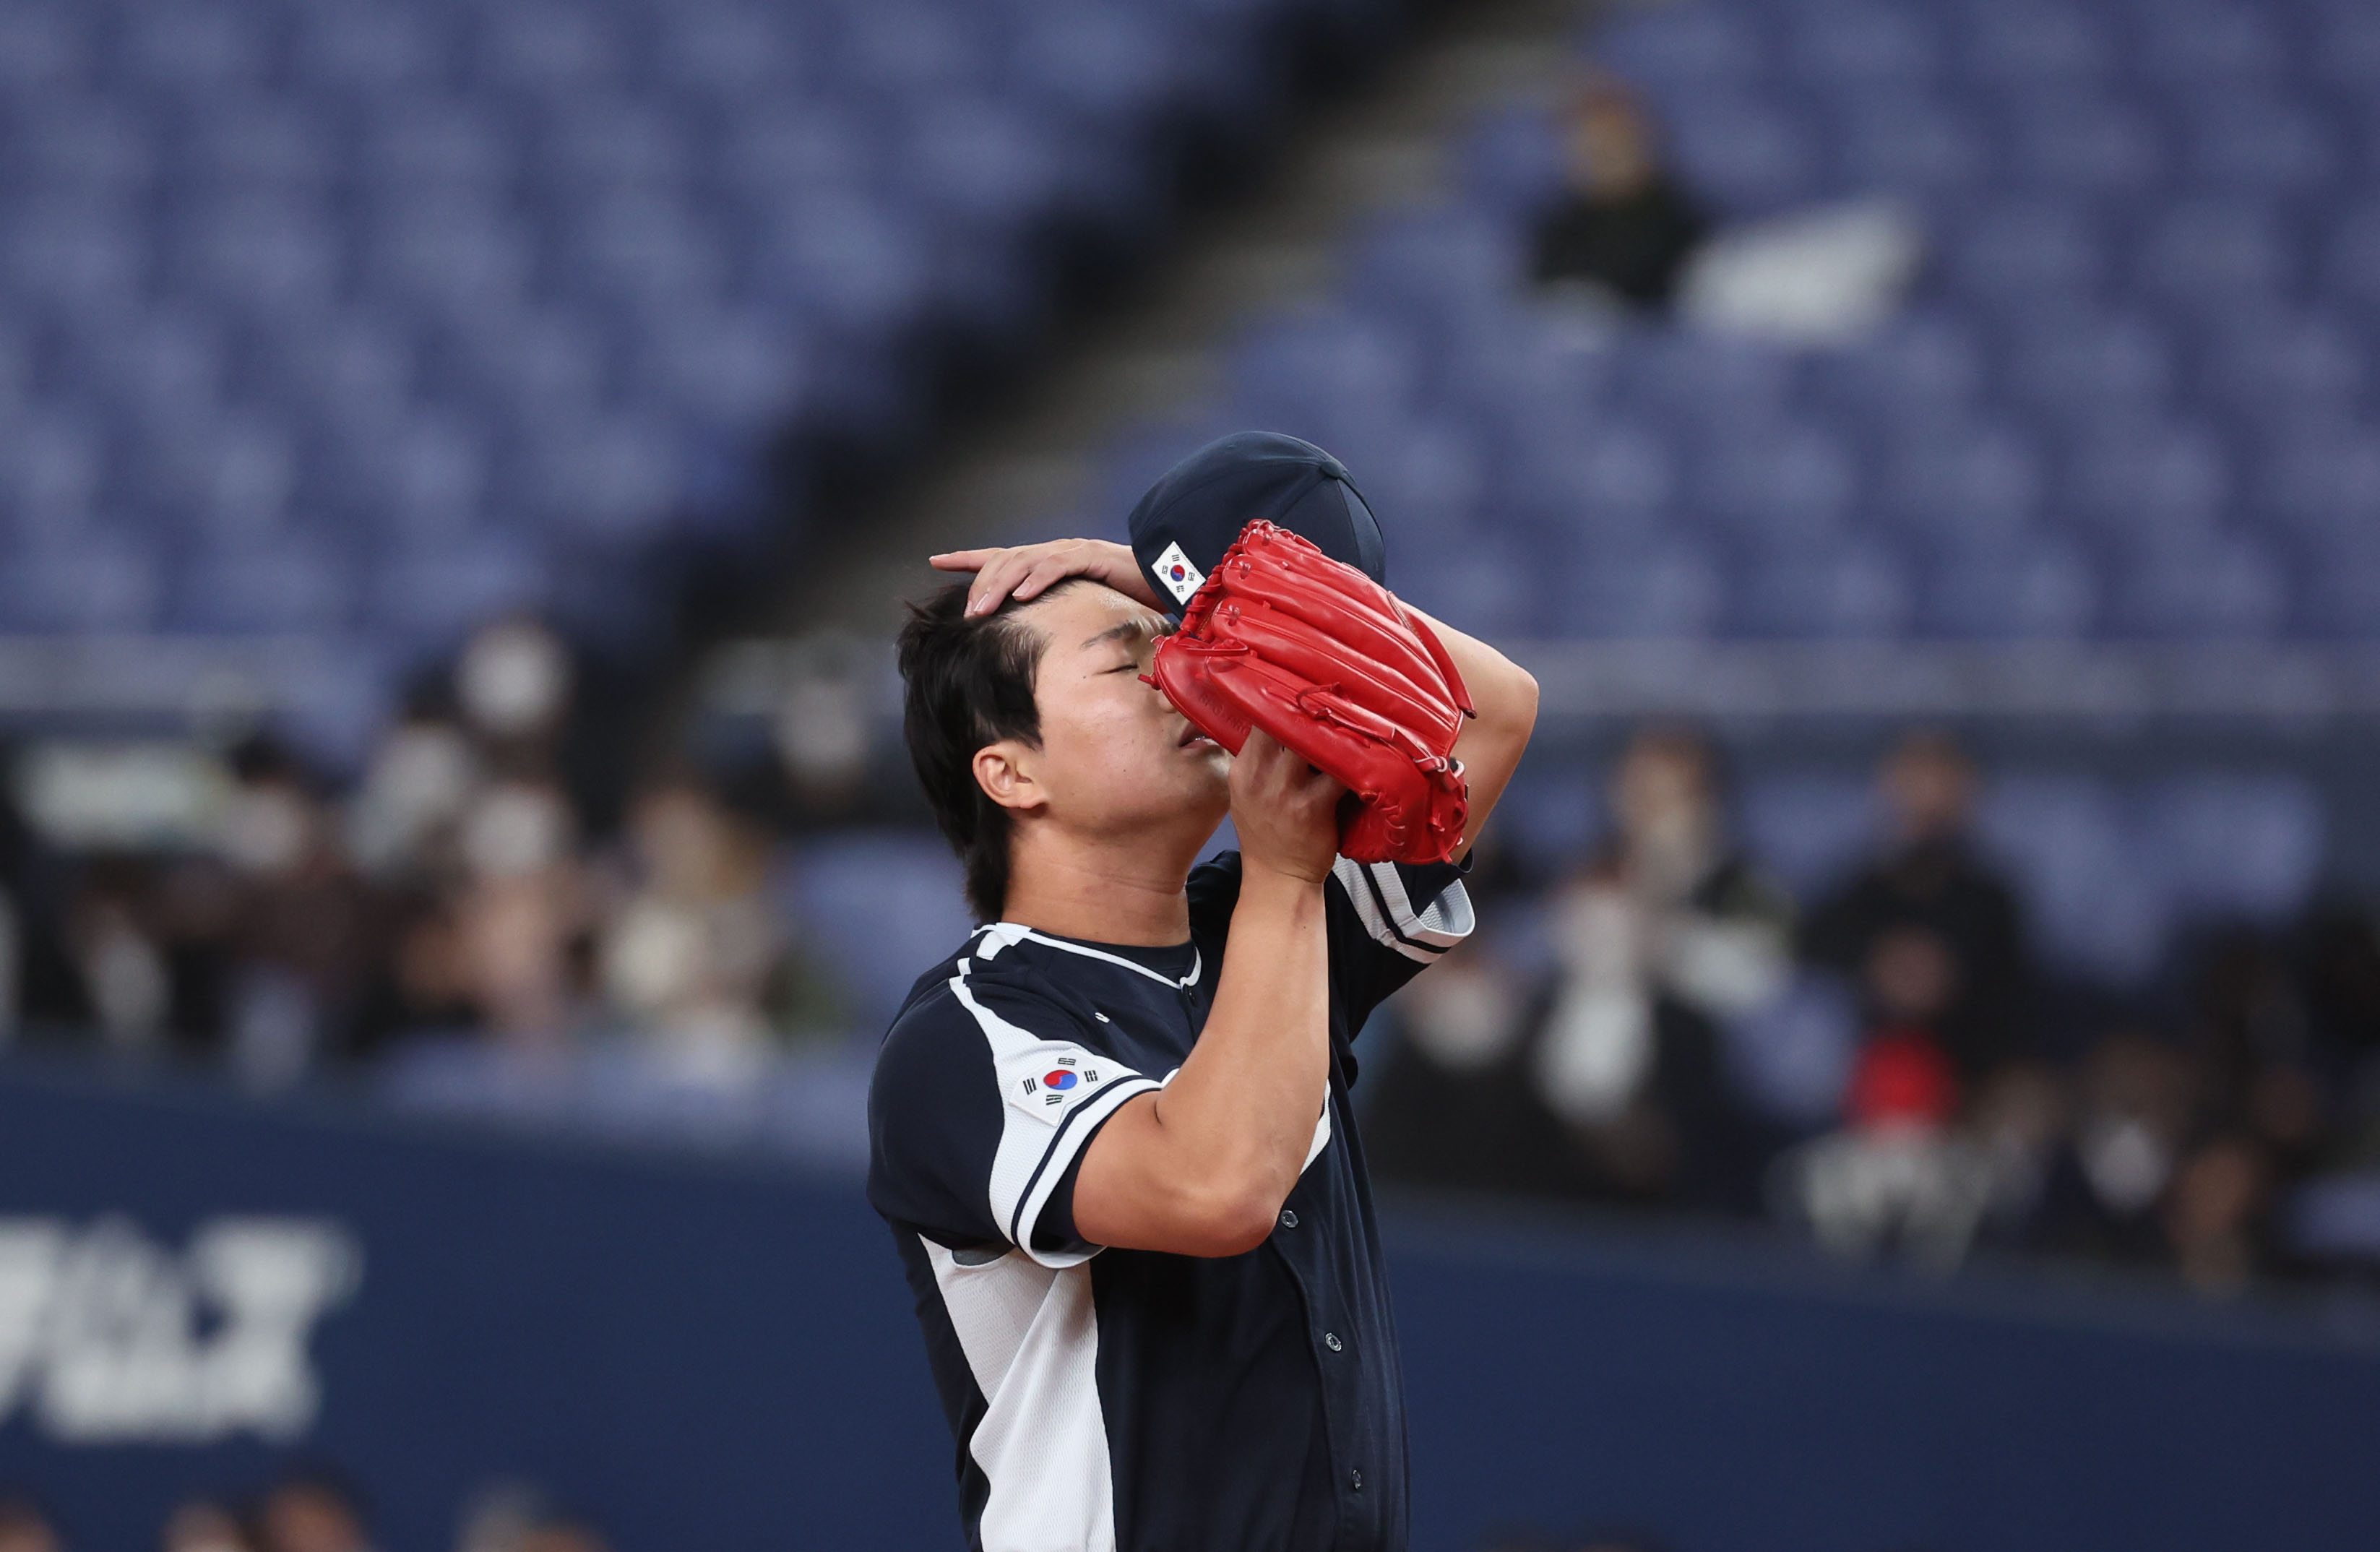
(1205,1163)
(1490,745)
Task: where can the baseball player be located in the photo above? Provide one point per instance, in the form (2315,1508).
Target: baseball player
(1112,1133)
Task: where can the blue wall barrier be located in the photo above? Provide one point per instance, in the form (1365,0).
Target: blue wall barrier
(711,1355)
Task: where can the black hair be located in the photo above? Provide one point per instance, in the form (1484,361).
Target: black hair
(967,680)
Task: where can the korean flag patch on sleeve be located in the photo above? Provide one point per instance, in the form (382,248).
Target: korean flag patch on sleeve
(1052,1078)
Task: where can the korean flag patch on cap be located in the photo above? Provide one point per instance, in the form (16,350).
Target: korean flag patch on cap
(1176,574)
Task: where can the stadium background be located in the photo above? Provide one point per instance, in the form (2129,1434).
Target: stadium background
(1915,1086)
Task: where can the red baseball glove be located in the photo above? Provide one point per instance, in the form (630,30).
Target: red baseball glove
(1327,660)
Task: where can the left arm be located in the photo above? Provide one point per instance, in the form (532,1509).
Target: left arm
(1502,692)
(1505,696)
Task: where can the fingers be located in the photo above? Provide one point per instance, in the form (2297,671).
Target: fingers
(961,560)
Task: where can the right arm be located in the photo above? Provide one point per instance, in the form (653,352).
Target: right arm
(1202,1166)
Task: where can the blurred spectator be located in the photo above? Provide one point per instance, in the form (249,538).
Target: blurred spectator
(514,682)
(24,1528)
(307,934)
(1931,930)
(1671,930)
(1624,227)
(520,912)
(203,1525)
(2137,1097)
(402,823)
(688,953)
(313,1510)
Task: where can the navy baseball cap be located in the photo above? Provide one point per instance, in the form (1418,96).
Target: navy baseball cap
(1190,516)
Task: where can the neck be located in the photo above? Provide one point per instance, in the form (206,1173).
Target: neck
(1124,891)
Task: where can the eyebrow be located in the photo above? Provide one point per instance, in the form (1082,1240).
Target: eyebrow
(1130,630)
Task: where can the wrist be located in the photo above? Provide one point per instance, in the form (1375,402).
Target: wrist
(1278,876)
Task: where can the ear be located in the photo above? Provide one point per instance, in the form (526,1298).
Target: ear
(1005,771)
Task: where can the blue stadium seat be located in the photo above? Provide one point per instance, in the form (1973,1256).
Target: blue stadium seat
(714,49)
(982,162)
(2219,588)
(435,592)
(644,250)
(193,46)
(1698,42)
(743,370)
(2218,44)
(1613,479)
(555,49)
(2337,592)
(52,468)
(2320,482)
(2261,146)
(2349,263)
(1746,153)
(420,480)
(610,480)
(2098,907)
(2072,369)
(261,253)
(2035,43)
(378,46)
(263,588)
(539,362)
(357,366)
(1840,590)
(448,254)
(1967,483)
(2025,253)
(1336,368)
(78,147)
(2284,369)
(914,50)
(44,43)
(858,269)
(447,146)
(2238,847)
(2081,144)
(879,904)
(1695,379)
(1775,485)
(2148,480)
(258,146)
(169,360)
(1927,367)
(595,145)
(1916,146)
(1809,830)
(2214,255)
(236,476)
(1672,590)
(2341,44)
(789,150)
(74,252)
(2009,590)
(1515,161)
(92,582)
(1861,46)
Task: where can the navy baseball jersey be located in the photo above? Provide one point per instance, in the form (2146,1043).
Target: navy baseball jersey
(1127,1401)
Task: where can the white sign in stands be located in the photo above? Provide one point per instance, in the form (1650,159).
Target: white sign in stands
(107,1337)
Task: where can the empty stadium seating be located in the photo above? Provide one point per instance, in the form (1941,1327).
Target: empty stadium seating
(2131,399)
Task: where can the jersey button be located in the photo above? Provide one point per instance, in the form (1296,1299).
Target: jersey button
(1288,1218)
(1355,1478)
(1330,1339)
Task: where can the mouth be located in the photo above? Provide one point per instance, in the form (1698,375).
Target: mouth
(1192,738)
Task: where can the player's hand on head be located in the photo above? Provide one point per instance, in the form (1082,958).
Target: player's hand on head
(1286,812)
(1027,571)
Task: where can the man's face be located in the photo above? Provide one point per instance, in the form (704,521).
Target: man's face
(1115,757)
